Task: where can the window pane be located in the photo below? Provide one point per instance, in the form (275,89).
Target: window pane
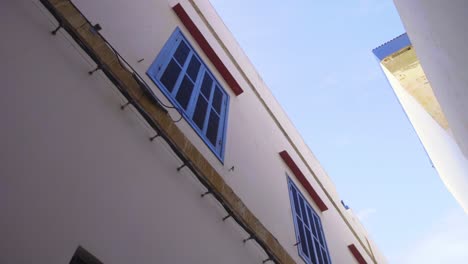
(185,92)
(200,112)
(212,131)
(304,215)
(310,245)
(317,248)
(303,243)
(310,233)
(217,99)
(181,53)
(313,226)
(296,203)
(169,78)
(309,216)
(193,68)
(325,256)
(319,230)
(206,86)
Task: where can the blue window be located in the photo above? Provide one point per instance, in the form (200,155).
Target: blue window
(309,233)
(188,83)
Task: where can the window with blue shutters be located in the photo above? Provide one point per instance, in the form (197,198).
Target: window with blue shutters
(188,83)
(309,232)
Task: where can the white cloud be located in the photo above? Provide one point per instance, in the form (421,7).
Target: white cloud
(445,242)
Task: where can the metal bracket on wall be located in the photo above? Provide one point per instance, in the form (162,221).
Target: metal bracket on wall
(93,71)
(122,107)
(183,165)
(247,239)
(54,32)
(153,137)
(226,217)
(205,193)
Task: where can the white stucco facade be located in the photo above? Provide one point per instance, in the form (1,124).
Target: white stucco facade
(432,87)
(77,170)
(437,30)
(442,149)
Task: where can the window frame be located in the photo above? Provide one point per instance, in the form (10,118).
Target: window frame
(157,69)
(319,230)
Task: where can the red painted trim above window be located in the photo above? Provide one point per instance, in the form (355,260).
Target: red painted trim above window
(302,179)
(357,255)
(207,49)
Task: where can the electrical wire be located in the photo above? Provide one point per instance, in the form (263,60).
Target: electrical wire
(122,62)
(135,75)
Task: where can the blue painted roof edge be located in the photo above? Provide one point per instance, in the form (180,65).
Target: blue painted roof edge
(392,46)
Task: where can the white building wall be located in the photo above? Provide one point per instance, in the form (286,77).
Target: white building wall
(76,170)
(437,30)
(444,152)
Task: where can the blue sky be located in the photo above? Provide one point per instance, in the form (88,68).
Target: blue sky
(316,57)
